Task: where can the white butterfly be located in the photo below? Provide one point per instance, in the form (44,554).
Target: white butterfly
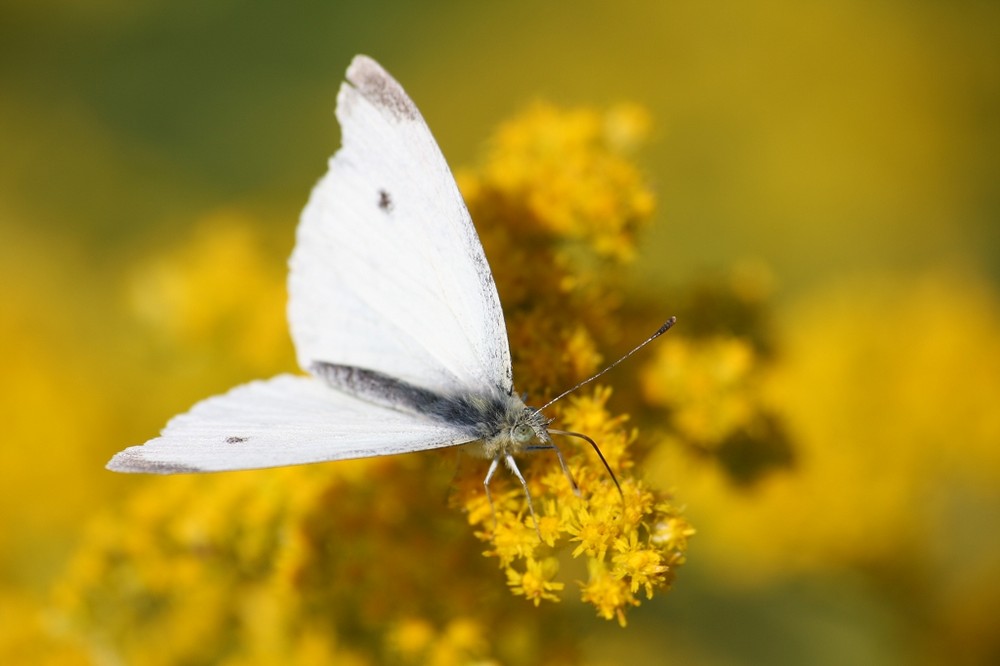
(394,315)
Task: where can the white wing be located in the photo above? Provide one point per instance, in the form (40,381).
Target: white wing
(286,420)
(388,273)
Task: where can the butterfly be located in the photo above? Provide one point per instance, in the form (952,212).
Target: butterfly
(394,315)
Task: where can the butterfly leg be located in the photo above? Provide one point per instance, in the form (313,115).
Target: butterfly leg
(486,486)
(524,484)
(562,463)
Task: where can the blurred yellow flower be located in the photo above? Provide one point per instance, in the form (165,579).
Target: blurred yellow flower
(708,384)
(198,296)
(57,408)
(30,634)
(889,385)
(416,641)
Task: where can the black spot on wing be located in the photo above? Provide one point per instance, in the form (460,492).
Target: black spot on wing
(385,201)
(235,440)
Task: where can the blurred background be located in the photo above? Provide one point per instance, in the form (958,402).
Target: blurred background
(838,159)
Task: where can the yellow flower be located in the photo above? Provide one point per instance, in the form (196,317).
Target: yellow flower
(672,533)
(608,593)
(513,538)
(594,534)
(535,582)
(641,566)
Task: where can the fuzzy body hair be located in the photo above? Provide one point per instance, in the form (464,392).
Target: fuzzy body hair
(490,418)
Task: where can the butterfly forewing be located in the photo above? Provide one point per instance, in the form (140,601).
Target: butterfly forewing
(388,273)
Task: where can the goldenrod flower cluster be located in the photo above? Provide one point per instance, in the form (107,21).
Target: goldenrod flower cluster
(564,202)
(360,561)
(631,542)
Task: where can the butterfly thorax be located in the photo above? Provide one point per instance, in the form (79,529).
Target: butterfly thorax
(509,430)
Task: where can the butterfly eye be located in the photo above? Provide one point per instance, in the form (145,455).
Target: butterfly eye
(523,433)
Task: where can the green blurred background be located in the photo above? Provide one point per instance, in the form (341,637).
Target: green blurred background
(850,150)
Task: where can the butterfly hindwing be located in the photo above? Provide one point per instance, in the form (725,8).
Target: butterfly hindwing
(285,420)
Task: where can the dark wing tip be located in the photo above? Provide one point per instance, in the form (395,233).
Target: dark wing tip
(131,461)
(379,88)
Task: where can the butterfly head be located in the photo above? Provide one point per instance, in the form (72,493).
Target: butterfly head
(530,429)
(514,428)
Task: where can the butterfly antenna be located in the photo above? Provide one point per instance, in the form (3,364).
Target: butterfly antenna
(599,454)
(660,331)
